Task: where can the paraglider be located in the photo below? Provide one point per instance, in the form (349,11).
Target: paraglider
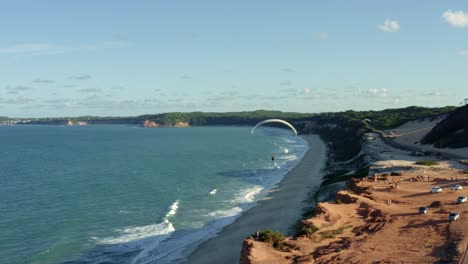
(276,121)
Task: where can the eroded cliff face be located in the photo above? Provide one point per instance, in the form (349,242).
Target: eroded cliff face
(77,123)
(259,252)
(149,123)
(246,251)
(182,124)
(371,221)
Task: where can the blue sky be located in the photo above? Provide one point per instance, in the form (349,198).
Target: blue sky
(117,58)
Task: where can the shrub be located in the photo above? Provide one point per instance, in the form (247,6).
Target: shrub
(307,230)
(427,163)
(334,232)
(395,174)
(465,172)
(437,204)
(273,238)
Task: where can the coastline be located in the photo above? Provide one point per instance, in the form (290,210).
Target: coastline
(380,214)
(277,211)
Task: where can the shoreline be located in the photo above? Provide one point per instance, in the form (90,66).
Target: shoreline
(380,214)
(281,207)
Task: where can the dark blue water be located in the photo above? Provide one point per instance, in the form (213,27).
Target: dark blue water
(122,194)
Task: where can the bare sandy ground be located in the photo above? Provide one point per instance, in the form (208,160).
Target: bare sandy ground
(414,131)
(278,211)
(376,231)
(378,221)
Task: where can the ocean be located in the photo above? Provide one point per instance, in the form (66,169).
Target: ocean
(124,194)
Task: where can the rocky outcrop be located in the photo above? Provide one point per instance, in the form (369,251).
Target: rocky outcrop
(182,124)
(76,123)
(150,123)
(246,250)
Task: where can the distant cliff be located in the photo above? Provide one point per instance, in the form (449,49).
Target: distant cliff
(452,132)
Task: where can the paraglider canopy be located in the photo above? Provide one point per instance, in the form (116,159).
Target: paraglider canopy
(274,121)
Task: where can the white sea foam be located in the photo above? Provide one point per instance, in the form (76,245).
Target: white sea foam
(172,210)
(173,249)
(289,157)
(248,195)
(138,236)
(139,233)
(226,213)
(169,246)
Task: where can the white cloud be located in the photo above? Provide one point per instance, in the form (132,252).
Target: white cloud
(456,18)
(90,90)
(35,48)
(52,49)
(17,100)
(320,35)
(463,53)
(389,26)
(377,92)
(42,81)
(185,77)
(80,77)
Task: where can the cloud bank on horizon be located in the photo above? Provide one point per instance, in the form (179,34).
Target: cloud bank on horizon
(159,57)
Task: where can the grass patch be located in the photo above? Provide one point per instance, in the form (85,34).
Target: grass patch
(333,233)
(427,163)
(307,230)
(465,172)
(274,238)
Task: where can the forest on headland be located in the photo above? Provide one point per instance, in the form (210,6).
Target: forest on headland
(341,129)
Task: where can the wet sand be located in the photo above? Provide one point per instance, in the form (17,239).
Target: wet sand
(277,211)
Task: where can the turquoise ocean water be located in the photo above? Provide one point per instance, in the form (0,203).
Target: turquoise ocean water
(124,194)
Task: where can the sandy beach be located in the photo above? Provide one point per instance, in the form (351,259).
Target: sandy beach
(277,211)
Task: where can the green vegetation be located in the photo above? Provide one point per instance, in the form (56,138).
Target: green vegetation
(427,163)
(342,130)
(307,230)
(273,238)
(333,233)
(465,172)
(451,132)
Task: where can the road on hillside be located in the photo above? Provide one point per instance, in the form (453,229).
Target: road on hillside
(395,144)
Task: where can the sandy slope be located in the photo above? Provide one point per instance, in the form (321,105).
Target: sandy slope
(278,211)
(414,131)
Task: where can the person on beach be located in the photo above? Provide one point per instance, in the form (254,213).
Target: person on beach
(257,234)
